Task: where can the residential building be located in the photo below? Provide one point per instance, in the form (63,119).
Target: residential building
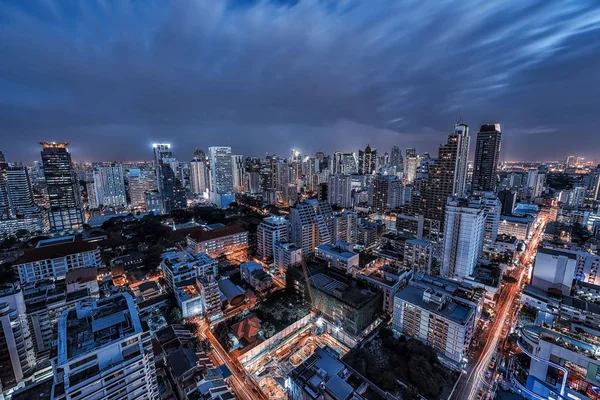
(418,255)
(198,176)
(53,258)
(179,267)
(487,155)
(270,231)
(311,224)
(339,189)
(508,198)
(338,256)
(103,353)
(389,279)
(238,172)
(255,276)
(286,255)
(464,233)
(367,161)
(345,226)
(65,211)
(387,192)
(519,227)
(110,185)
(493,209)
(17,356)
(436,318)
(221,241)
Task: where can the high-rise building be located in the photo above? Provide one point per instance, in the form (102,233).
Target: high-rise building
(110,185)
(17,355)
(339,190)
(493,209)
(418,255)
(221,176)
(65,211)
(311,224)
(18,211)
(446,176)
(345,226)
(387,192)
(141,180)
(487,155)
(198,176)
(270,231)
(161,151)
(367,161)
(239,173)
(508,198)
(464,232)
(396,160)
(411,165)
(104,353)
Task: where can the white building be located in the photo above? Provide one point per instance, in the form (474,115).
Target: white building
(418,255)
(255,276)
(338,256)
(311,224)
(493,209)
(345,226)
(270,231)
(519,227)
(110,186)
(103,353)
(464,231)
(286,254)
(339,190)
(435,318)
(179,267)
(221,176)
(141,180)
(239,173)
(198,176)
(16,346)
(52,258)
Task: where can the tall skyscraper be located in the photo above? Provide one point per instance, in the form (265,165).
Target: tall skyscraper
(387,192)
(198,176)
(396,160)
(463,237)
(63,190)
(340,190)
(141,180)
(311,224)
(239,173)
(411,164)
(221,176)
(14,181)
(487,155)
(367,161)
(110,185)
(161,150)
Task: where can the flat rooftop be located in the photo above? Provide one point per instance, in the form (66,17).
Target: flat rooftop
(58,248)
(200,235)
(334,249)
(451,310)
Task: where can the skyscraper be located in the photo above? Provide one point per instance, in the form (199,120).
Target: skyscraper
(221,176)
(63,190)
(463,237)
(387,191)
(110,185)
(367,161)
(396,160)
(238,172)
(161,150)
(487,154)
(340,190)
(141,180)
(198,176)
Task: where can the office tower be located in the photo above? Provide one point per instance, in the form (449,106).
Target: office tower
(493,209)
(282,175)
(508,198)
(141,180)
(199,154)
(104,353)
(15,185)
(311,224)
(350,163)
(198,176)
(166,186)
(110,185)
(487,154)
(367,161)
(411,164)
(270,231)
(267,174)
(17,356)
(396,160)
(339,190)
(221,176)
(387,192)
(411,152)
(161,151)
(239,173)
(464,231)
(446,176)
(93,198)
(592,182)
(65,211)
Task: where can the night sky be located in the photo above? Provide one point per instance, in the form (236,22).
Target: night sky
(111,77)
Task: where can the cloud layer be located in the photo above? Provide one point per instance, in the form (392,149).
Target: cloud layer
(111,77)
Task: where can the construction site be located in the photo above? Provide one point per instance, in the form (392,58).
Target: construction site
(270,363)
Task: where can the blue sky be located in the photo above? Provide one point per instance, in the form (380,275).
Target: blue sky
(111,77)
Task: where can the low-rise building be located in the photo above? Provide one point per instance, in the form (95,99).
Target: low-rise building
(520,227)
(179,267)
(338,256)
(418,255)
(390,279)
(254,274)
(227,240)
(286,254)
(52,258)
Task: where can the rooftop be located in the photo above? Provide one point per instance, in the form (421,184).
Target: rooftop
(335,249)
(452,310)
(59,248)
(200,235)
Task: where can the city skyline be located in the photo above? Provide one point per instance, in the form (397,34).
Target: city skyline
(200,74)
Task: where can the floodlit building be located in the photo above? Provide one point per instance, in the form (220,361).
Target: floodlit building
(221,241)
(464,232)
(103,352)
(52,258)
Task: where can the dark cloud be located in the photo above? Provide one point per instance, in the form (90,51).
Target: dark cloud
(111,77)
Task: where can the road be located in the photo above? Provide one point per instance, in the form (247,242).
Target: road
(506,307)
(242,389)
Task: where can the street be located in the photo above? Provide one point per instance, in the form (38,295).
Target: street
(507,308)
